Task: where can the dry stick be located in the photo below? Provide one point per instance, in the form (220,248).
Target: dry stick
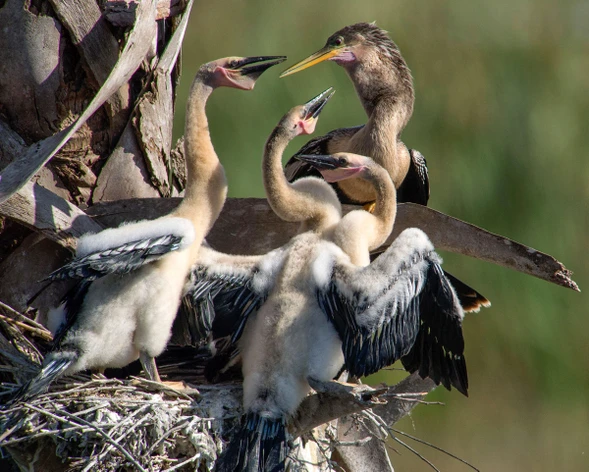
(93,408)
(42,333)
(109,447)
(182,464)
(322,451)
(437,448)
(20,317)
(167,434)
(381,424)
(389,431)
(160,387)
(52,432)
(105,435)
(422,457)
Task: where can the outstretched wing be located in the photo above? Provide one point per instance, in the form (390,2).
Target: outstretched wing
(399,307)
(224,290)
(126,248)
(321,145)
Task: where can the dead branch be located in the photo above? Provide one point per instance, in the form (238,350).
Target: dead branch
(260,230)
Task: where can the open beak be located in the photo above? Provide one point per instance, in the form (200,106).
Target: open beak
(320,162)
(255,66)
(332,168)
(314,106)
(322,55)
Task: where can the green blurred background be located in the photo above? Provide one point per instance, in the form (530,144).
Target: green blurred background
(501,114)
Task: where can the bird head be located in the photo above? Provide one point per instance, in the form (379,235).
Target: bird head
(303,118)
(361,42)
(339,166)
(239,72)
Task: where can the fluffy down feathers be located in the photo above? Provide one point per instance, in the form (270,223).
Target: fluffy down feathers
(137,231)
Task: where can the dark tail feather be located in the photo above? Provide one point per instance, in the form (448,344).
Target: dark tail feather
(50,372)
(470,299)
(258,446)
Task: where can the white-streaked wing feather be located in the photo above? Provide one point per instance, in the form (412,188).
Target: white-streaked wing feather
(126,248)
(399,307)
(236,285)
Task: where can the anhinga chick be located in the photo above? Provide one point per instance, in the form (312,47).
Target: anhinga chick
(308,201)
(131,278)
(316,311)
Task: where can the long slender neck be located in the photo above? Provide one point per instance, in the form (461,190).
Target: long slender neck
(388,102)
(309,201)
(206,185)
(385,209)
(360,232)
(383,86)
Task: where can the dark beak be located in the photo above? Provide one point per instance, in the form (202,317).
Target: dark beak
(314,106)
(320,162)
(258,64)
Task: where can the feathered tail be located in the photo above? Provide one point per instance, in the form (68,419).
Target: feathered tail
(258,446)
(52,370)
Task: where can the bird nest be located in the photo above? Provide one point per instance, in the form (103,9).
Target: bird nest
(97,423)
(110,424)
(94,423)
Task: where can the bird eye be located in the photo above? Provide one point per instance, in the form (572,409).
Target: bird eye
(338,41)
(343,161)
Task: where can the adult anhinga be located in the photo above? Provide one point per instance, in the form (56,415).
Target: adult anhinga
(401,306)
(131,278)
(384,85)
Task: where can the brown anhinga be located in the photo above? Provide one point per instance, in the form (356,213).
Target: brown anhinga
(384,84)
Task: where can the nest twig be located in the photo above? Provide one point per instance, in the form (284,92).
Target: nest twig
(95,423)
(111,424)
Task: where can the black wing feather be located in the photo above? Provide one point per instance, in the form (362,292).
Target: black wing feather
(438,352)
(73,301)
(422,327)
(367,350)
(120,260)
(226,301)
(415,186)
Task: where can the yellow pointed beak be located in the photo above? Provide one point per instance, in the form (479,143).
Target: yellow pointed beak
(319,56)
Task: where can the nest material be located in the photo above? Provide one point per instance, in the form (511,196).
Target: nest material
(98,424)
(109,424)
(102,424)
